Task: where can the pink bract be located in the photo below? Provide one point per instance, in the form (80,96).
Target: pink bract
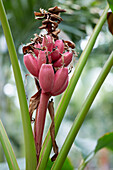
(46,77)
(64,60)
(36,51)
(31,64)
(60,45)
(41,58)
(63,88)
(60,81)
(48,42)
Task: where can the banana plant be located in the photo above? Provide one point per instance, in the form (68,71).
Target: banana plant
(46,57)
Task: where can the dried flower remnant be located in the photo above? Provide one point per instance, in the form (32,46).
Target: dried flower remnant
(110,21)
(47,58)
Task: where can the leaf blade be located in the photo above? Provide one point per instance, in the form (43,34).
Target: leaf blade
(9,153)
(105,141)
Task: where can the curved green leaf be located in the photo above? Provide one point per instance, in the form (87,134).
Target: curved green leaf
(9,153)
(105,141)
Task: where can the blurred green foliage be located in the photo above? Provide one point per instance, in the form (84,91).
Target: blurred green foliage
(78,23)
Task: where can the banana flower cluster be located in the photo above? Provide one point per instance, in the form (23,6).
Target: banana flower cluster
(48,63)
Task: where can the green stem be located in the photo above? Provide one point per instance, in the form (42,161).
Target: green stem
(82,114)
(30,151)
(9,153)
(46,149)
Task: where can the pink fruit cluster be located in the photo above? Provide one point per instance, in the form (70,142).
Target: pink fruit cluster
(48,64)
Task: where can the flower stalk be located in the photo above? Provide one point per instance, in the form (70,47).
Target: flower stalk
(40,121)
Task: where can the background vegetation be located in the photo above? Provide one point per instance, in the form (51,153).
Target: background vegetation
(78,24)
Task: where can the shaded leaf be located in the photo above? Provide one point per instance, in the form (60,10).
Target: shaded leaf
(110,21)
(111,4)
(104,141)
(67,165)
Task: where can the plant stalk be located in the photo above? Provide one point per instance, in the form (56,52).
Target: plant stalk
(82,114)
(40,121)
(46,148)
(30,151)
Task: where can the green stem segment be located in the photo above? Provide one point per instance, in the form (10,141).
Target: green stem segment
(10,156)
(46,149)
(40,121)
(82,114)
(30,151)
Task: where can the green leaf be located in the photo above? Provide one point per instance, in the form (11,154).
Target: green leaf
(9,153)
(110,2)
(49,164)
(102,142)
(105,141)
(67,165)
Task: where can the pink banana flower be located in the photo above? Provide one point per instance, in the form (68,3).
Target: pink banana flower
(48,57)
(64,60)
(31,64)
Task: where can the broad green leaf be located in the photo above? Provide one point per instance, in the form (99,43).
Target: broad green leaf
(9,153)
(49,164)
(105,141)
(111,4)
(67,165)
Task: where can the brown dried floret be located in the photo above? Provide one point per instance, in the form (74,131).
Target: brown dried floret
(52,19)
(55,33)
(49,21)
(37,39)
(55,17)
(28,48)
(56,10)
(70,44)
(43,27)
(38,14)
